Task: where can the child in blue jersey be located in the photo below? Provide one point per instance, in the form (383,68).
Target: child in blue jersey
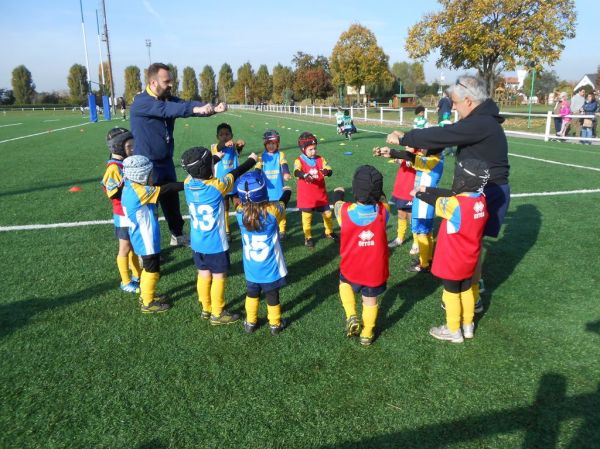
(429,169)
(120,143)
(205,198)
(140,206)
(228,161)
(264,264)
(276,171)
(364,266)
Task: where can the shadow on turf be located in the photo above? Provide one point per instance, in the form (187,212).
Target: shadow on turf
(15,315)
(38,187)
(522,227)
(540,421)
(593,327)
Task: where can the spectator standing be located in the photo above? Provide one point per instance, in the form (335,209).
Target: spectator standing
(444,108)
(152,115)
(577,102)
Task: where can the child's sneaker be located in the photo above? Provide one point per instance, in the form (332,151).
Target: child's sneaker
(414,249)
(418,269)
(468,330)
(309,243)
(443,333)
(281,236)
(367,341)
(250,327)
(226,317)
(333,236)
(205,315)
(394,243)
(481,286)
(352,326)
(156,307)
(132,287)
(135,280)
(276,329)
(179,240)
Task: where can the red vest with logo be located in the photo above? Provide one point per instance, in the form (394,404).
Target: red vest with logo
(456,254)
(116,202)
(312,193)
(364,250)
(405,182)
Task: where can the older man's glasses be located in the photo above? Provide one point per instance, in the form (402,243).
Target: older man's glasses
(458,83)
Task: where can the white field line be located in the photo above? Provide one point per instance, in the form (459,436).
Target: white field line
(12,124)
(52,120)
(231,113)
(44,132)
(565,149)
(76,224)
(554,162)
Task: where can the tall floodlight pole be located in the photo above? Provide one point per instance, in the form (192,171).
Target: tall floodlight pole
(149,44)
(100,50)
(532,65)
(112,84)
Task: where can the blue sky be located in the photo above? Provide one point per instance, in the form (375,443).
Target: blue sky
(47,38)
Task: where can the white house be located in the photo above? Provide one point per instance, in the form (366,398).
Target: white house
(587,80)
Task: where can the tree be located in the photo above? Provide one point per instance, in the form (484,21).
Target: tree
(6,96)
(409,74)
(22,85)
(77,83)
(312,78)
(133,83)
(545,83)
(493,36)
(225,83)
(263,86)
(174,79)
(207,84)
(357,60)
(104,87)
(243,90)
(189,90)
(283,82)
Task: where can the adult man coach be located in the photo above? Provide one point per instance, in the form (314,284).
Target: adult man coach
(152,115)
(478,135)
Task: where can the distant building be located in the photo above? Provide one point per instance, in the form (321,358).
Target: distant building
(587,80)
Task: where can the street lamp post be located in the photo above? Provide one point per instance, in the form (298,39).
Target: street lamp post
(149,44)
(531,64)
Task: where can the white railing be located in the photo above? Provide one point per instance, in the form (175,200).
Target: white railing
(385,116)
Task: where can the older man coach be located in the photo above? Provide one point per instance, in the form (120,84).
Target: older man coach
(477,135)
(153,113)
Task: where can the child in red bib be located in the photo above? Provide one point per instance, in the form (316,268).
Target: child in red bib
(464,213)
(363,244)
(311,170)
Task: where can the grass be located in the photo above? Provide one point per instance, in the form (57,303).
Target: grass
(82,367)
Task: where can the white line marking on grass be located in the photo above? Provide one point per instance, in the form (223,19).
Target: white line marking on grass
(554,162)
(44,132)
(565,192)
(563,149)
(76,224)
(52,120)
(12,124)
(235,115)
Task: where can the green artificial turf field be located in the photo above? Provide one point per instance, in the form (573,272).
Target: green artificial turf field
(81,367)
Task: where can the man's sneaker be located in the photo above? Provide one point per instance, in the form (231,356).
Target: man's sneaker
(468,329)
(276,329)
(309,243)
(367,341)
(226,317)
(479,306)
(352,326)
(418,269)
(132,287)
(156,307)
(179,240)
(394,243)
(333,236)
(250,327)
(481,286)
(414,249)
(443,333)
(205,315)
